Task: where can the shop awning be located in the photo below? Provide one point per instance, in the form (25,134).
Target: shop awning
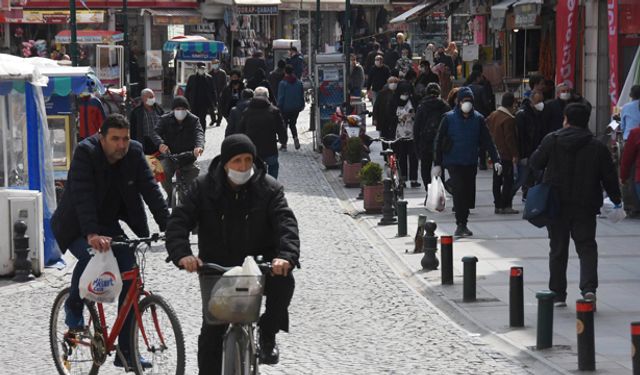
(310,5)
(91,36)
(195,47)
(174,16)
(415,12)
(499,13)
(257,2)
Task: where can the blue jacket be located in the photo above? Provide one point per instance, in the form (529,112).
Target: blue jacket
(297,62)
(290,96)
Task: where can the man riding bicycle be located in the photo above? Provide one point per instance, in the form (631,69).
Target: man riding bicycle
(108,179)
(240,211)
(179,131)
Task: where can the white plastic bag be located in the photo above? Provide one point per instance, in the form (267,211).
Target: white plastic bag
(101,281)
(616,215)
(236,295)
(436,198)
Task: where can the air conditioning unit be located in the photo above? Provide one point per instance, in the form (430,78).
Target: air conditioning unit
(25,205)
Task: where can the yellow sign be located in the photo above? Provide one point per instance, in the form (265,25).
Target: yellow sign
(62,16)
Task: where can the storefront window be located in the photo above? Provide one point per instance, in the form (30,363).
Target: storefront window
(432,28)
(460,31)
(13,141)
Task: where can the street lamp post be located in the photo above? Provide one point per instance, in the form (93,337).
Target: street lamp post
(74,32)
(346,49)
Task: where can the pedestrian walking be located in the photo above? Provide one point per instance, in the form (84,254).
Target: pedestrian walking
(376,78)
(356,79)
(263,123)
(630,166)
(236,112)
(530,128)
(404,104)
(201,94)
(276,76)
(502,126)
(291,103)
(462,132)
(260,80)
(231,94)
(296,60)
(630,120)
(220,80)
(425,77)
(391,56)
(370,60)
(577,167)
(143,121)
(404,63)
(553,114)
(253,64)
(383,115)
(402,45)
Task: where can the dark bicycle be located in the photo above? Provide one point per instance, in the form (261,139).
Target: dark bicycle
(178,182)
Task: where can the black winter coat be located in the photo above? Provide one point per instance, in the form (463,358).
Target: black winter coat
(235,116)
(228,99)
(577,166)
(251,66)
(180,137)
(254,220)
(83,200)
(377,78)
(529,128)
(136,122)
(201,92)
(262,122)
(427,122)
(384,115)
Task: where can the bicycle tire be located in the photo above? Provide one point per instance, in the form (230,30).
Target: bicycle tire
(151,305)
(175,197)
(232,352)
(398,185)
(56,310)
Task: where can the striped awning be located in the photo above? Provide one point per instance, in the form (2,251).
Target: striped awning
(61,86)
(210,46)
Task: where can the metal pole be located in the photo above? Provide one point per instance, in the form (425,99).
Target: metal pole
(318,28)
(516,298)
(635,347)
(469,279)
(125,25)
(74,32)
(446,254)
(402,218)
(346,49)
(544,336)
(586,337)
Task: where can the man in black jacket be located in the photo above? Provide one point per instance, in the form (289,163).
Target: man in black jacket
(241,211)
(553,114)
(530,129)
(201,93)
(177,132)
(108,179)
(263,123)
(236,112)
(577,166)
(144,119)
(377,77)
(220,82)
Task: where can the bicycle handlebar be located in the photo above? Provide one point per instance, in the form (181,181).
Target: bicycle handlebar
(176,158)
(123,241)
(213,268)
(391,141)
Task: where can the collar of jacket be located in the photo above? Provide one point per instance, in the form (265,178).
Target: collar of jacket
(505,110)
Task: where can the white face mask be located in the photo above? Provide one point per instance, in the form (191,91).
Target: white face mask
(150,102)
(539,106)
(215,66)
(239,178)
(201,71)
(393,86)
(466,107)
(404,97)
(378,63)
(180,114)
(565,95)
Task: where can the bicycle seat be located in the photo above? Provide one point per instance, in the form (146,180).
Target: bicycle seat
(386,152)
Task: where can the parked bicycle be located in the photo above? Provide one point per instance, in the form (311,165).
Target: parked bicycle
(237,299)
(156,334)
(391,167)
(178,182)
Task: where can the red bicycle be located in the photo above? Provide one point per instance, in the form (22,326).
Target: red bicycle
(156,334)
(392,169)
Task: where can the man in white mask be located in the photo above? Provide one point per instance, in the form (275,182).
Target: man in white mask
(143,121)
(179,132)
(240,211)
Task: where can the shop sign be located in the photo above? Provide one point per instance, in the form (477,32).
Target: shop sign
(612,15)
(163,20)
(61,16)
(566,40)
(369,2)
(258,10)
(526,15)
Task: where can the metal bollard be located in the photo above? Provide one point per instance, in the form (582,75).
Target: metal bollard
(417,240)
(402,218)
(586,337)
(446,253)
(516,298)
(22,265)
(360,196)
(388,215)
(635,347)
(430,246)
(544,337)
(469,279)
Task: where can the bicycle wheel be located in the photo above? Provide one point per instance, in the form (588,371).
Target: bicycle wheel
(398,185)
(159,340)
(175,197)
(73,352)
(232,352)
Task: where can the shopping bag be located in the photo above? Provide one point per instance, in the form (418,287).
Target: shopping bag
(436,198)
(237,294)
(101,281)
(540,206)
(611,212)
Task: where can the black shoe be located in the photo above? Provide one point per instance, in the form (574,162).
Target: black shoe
(509,211)
(463,231)
(269,353)
(145,363)
(296,143)
(498,211)
(415,184)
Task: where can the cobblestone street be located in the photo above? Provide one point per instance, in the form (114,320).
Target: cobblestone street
(351,313)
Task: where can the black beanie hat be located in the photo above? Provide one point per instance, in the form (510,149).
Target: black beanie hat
(236,144)
(180,101)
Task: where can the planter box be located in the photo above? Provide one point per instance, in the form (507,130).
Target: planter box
(329,158)
(373,198)
(350,174)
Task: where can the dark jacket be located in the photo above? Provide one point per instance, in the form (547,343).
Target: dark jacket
(529,127)
(235,116)
(254,220)
(201,92)
(274,80)
(220,79)
(502,126)
(229,98)
(297,62)
(553,113)
(423,80)
(377,77)
(370,60)
(251,66)
(391,56)
(481,99)
(356,79)
(83,200)
(262,122)
(180,137)
(427,121)
(383,115)
(290,95)
(405,45)
(136,122)
(577,166)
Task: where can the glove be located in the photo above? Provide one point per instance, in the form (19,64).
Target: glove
(619,205)
(436,171)
(498,168)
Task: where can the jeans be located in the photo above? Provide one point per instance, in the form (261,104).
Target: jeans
(406,151)
(74,306)
(463,183)
(502,187)
(189,173)
(581,227)
(290,120)
(278,291)
(272,165)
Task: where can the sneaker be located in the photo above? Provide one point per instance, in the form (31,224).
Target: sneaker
(509,211)
(269,353)
(560,304)
(283,148)
(415,184)
(463,231)
(144,362)
(590,296)
(296,143)
(498,211)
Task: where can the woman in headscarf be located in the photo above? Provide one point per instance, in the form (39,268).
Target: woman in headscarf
(404,106)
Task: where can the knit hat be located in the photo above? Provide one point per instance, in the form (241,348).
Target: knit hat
(180,101)
(236,144)
(433,89)
(465,92)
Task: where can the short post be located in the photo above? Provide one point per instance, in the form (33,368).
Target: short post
(22,265)
(360,196)
(586,336)
(469,279)
(430,246)
(544,337)
(635,347)
(417,240)
(446,253)
(402,218)
(516,297)
(388,215)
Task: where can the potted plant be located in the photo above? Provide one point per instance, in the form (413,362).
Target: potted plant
(328,155)
(371,179)
(352,156)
